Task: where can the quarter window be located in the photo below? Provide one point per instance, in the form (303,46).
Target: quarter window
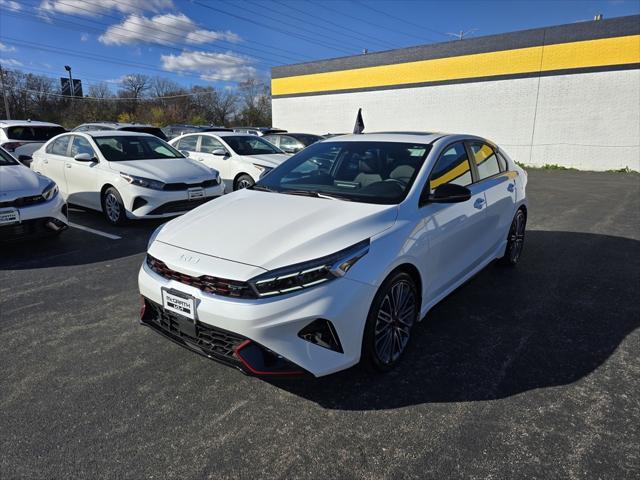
(188,143)
(59,146)
(209,144)
(486,160)
(452,167)
(81,145)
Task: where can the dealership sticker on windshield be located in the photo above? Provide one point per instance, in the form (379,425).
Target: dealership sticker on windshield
(7,217)
(181,303)
(196,193)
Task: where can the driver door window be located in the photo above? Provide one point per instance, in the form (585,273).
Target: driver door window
(452,167)
(209,144)
(81,145)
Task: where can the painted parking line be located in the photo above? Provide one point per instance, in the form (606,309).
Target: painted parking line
(96,232)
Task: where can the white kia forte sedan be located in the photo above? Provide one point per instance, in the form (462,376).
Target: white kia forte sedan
(240,158)
(126,175)
(30,205)
(334,256)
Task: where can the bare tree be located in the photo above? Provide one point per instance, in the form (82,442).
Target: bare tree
(135,85)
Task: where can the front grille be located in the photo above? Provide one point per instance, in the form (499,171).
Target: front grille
(184,186)
(206,283)
(179,206)
(23,201)
(211,340)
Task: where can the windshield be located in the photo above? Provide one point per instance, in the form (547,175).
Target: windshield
(250,145)
(369,172)
(121,148)
(6,159)
(152,130)
(33,133)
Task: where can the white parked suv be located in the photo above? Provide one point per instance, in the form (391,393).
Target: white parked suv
(240,158)
(23,137)
(126,175)
(333,257)
(30,204)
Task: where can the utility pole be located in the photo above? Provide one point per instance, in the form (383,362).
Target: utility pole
(71,89)
(461,34)
(4,95)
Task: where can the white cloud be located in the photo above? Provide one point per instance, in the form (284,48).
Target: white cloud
(6,48)
(90,9)
(10,62)
(84,37)
(10,4)
(167,29)
(210,66)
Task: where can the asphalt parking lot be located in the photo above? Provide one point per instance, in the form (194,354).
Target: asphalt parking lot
(530,372)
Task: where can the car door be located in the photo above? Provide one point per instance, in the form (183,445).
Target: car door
(222,163)
(189,144)
(453,228)
(500,192)
(53,160)
(82,177)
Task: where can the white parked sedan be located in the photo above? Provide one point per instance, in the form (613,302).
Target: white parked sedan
(29,203)
(126,174)
(240,158)
(334,256)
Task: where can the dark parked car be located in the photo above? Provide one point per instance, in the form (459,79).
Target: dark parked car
(128,127)
(173,131)
(292,142)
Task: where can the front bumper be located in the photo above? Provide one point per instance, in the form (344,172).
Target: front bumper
(146,203)
(274,324)
(37,220)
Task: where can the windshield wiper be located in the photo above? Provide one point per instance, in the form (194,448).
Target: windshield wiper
(316,194)
(261,188)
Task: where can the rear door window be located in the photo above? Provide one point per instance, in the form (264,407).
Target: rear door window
(452,167)
(81,145)
(188,143)
(59,146)
(485,159)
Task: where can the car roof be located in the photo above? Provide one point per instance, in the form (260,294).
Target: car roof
(27,123)
(400,137)
(117,125)
(223,133)
(112,133)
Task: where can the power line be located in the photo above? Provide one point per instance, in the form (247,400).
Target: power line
(117,99)
(364,37)
(268,27)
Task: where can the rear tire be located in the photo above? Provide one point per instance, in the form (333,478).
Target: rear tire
(113,207)
(393,313)
(515,239)
(243,181)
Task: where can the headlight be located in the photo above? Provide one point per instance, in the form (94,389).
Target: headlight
(50,191)
(142,182)
(262,169)
(309,274)
(154,235)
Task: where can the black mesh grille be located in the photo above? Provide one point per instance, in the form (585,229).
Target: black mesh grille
(179,206)
(184,186)
(23,201)
(212,341)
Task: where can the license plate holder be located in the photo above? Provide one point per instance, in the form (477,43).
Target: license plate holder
(9,216)
(195,193)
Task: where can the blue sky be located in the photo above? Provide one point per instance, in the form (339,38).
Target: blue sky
(224,41)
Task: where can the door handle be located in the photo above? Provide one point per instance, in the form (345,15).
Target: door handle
(478,203)
(68,165)
(45,161)
(511,187)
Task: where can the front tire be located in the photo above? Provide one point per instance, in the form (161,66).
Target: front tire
(113,207)
(393,313)
(243,181)
(515,240)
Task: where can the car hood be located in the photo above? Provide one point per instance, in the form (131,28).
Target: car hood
(271,230)
(19,181)
(167,170)
(271,160)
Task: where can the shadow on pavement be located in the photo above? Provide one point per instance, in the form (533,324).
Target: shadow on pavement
(551,321)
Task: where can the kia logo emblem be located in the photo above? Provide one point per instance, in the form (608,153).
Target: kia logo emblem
(189,258)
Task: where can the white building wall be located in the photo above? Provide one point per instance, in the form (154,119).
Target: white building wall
(589,121)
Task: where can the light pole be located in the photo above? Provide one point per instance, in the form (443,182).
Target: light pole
(71,89)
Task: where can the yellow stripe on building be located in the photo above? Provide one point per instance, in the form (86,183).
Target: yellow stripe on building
(573,55)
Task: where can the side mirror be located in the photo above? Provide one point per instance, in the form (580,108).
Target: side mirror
(24,158)
(184,152)
(447,193)
(84,157)
(221,152)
